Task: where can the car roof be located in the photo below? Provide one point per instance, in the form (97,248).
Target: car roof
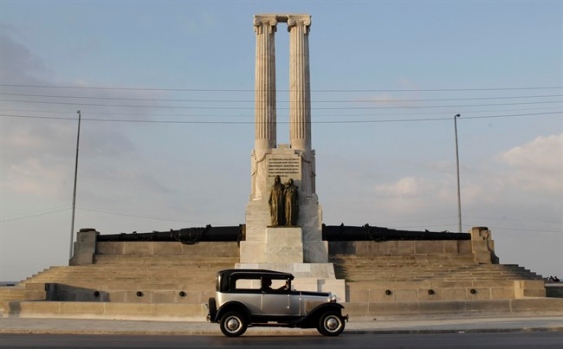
(255,273)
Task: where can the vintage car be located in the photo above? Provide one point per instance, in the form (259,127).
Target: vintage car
(254,297)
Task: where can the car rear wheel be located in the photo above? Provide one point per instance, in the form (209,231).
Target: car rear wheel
(233,324)
(331,323)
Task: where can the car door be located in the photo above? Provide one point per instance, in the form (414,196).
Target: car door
(279,303)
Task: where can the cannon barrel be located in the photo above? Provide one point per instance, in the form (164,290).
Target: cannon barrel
(329,233)
(369,233)
(185,235)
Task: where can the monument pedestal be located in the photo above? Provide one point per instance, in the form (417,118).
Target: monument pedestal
(282,250)
(278,245)
(283,245)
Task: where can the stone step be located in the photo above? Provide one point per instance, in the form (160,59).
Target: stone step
(127,285)
(356,310)
(20,293)
(192,272)
(119,260)
(108,310)
(401,273)
(398,268)
(133,295)
(133,273)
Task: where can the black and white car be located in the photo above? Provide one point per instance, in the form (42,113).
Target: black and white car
(253,297)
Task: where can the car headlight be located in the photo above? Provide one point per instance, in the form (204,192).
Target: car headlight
(332,298)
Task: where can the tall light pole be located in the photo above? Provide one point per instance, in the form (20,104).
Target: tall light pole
(457,167)
(74,191)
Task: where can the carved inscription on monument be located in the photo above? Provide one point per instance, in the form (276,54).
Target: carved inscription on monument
(284,167)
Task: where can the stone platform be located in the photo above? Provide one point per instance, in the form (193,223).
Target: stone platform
(170,280)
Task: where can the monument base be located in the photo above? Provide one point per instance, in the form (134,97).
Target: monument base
(280,245)
(283,245)
(318,277)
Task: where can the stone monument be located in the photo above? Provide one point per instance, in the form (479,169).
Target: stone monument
(275,238)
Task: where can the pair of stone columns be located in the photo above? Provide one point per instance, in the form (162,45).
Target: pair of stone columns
(299,82)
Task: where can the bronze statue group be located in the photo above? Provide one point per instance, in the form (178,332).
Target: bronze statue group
(284,203)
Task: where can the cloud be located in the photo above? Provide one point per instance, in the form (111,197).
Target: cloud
(415,197)
(37,155)
(536,165)
(31,176)
(412,187)
(529,175)
(405,100)
(17,63)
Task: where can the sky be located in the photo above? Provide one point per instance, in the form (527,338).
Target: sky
(165,92)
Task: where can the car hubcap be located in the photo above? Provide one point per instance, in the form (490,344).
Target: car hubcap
(332,324)
(233,324)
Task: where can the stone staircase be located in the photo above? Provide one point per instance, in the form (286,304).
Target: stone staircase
(136,278)
(431,278)
(172,281)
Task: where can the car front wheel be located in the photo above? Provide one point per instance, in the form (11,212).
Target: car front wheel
(331,323)
(233,324)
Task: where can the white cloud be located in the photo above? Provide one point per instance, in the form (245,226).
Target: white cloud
(415,195)
(536,165)
(527,178)
(407,187)
(17,62)
(33,177)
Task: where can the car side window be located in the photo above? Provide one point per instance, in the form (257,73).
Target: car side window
(264,284)
(247,285)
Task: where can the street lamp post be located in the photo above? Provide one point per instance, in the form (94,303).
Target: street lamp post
(74,191)
(457,167)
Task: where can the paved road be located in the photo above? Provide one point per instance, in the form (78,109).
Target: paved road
(523,340)
(377,326)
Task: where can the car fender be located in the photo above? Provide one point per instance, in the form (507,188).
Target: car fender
(313,316)
(231,306)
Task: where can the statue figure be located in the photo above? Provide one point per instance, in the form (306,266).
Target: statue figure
(291,195)
(276,203)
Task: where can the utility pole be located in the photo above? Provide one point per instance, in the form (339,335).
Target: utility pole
(457,166)
(74,191)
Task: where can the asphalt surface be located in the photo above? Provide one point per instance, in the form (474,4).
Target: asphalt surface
(366,326)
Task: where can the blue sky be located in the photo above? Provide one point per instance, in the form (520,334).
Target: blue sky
(387,78)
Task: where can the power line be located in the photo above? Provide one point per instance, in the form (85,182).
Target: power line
(189,222)
(252,101)
(223,115)
(527,230)
(133,215)
(35,215)
(282,108)
(279,122)
(253,90)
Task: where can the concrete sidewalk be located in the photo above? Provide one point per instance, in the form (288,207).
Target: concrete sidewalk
(442,325)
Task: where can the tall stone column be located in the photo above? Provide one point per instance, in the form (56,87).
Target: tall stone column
(265,84)
(264,101)
(299,82)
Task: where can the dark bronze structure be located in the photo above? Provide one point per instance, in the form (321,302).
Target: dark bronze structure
(291,195)
(276,203)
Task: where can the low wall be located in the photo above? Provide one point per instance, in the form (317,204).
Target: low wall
(372,249)
(554,290)
(201,249)
(481,247)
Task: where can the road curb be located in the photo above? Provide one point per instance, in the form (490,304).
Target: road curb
(250,333)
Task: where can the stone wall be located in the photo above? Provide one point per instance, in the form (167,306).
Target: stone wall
(370,249)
